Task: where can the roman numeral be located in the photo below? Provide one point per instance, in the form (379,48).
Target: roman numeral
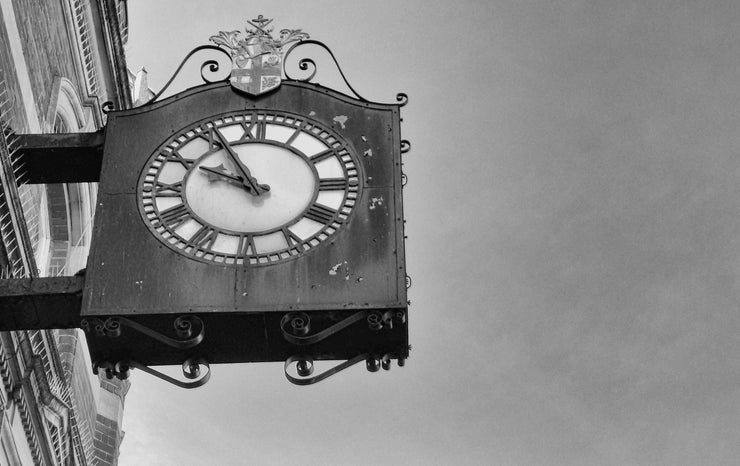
(320,213)
(332,184)
(297,132)
(174,216)
(168,190)
(174,156)
(246,246)
(204,237)
(259,127)
(291,238)
(323,155)
(209,134)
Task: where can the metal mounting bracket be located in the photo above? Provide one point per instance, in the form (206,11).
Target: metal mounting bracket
(185,327)
(190,370)
(296,326)
(305,367)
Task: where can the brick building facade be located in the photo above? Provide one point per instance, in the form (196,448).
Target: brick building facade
(60,60)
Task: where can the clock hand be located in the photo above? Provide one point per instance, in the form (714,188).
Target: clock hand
(249,181)
(221,172)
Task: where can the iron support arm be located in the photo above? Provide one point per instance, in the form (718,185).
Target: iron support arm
(61,157)
(40,303)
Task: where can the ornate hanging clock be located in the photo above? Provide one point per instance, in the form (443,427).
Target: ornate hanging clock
(249,219)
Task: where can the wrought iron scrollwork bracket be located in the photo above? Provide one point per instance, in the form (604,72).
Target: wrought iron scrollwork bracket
(305,367)
(296,326)
(306,64)
(405,146)
(189,329)
(297,329)
(309,64)
(191,369)
(211,64)
(107,107)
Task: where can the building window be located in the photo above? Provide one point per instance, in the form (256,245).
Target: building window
(60,125)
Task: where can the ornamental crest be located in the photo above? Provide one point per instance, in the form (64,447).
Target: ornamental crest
(257,58)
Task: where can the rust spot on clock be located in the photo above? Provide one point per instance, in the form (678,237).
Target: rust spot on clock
(375,202)
(341,119)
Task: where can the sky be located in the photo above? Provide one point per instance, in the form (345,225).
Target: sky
(573,223)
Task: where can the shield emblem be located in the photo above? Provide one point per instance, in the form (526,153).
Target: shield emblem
(258,58)
(258,74)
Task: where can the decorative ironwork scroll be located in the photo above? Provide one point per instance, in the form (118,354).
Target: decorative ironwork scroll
(107,107)
(297,328)
(258,62)
(304,367)
(191,369)
(212,65)
(309,64)
(189,330)
(405,146)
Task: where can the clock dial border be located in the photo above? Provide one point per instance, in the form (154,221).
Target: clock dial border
(256,124)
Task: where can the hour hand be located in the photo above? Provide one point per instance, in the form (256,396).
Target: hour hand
(221,173)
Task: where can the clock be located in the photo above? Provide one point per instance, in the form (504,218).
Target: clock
(268,222)
(251,187)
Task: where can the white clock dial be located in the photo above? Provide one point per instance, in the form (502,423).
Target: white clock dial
(228,206)
(252,187)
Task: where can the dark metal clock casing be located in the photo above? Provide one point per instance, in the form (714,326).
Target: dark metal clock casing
(354,261)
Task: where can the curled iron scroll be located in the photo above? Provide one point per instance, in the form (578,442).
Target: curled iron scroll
(191,369)
(212,65)
(304,367)
(405,146)
(189,329)
(308,64)
(379,321)
(296,327)
(402,99)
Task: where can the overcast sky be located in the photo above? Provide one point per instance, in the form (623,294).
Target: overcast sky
(573,212)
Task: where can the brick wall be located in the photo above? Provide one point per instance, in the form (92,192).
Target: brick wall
(108,435)
(45,45)
(106,441)
(11,82)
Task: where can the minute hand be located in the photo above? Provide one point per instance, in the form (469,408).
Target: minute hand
(249,182)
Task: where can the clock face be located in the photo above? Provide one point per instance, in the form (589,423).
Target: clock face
(249,188)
